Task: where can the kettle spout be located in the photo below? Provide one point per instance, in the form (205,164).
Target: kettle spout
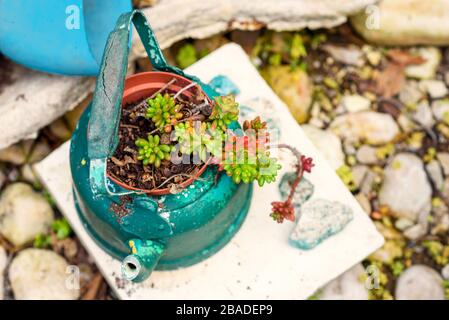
(144,257)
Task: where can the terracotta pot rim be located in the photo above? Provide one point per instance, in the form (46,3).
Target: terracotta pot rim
(164,191)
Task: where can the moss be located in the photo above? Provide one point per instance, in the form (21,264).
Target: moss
(61,228)
(384,152)
(330,83)
(443,129)
(430,154)
(316,295)
(437,202)
(186,56)
(437,251)
(446,289)
(397,267)
(345,174)
(42,241)
(416,139)
(275,59)
(446,117)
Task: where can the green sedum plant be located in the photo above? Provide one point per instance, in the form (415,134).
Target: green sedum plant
(199,139)
(163,111)
(247,160)
(151,151)
(224,112)
(201,131)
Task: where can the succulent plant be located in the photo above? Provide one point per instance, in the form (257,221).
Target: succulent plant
(281,211)
(199,138)
(152,152)
(224,112)
(242,166)
(255,124)
(268,169)
(163,111)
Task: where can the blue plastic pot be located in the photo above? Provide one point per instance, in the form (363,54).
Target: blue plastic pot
(58,36)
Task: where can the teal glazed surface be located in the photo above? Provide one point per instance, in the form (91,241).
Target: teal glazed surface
(195,223)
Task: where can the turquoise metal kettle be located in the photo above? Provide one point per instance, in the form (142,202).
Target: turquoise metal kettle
(146,232)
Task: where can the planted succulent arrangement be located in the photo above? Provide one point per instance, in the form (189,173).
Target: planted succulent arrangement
(166,141)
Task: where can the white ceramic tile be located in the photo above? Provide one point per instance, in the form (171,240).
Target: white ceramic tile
(258,263)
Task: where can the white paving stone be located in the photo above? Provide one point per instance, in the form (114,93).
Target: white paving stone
(243,262)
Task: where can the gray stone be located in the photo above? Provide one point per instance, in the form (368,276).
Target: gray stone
(435,88)
(368,182)
(373,55)
(419,282)
(435,173)
(441,224)
(403,223)
(410,93)
(367,155)
(390,251)
(318,220)
(24,214)
(225,15)
(15,154)
(327,143)
(423,115)
(39,151)
(405,22)
(293,87)
(358,174)
(405,189)
(364,202)
(428,69)
(445,191)
(60,129)
(416,232)
(372,127)
(350,55)
(440,109)
(33,100)
(27,151)
(41,275)
(349,147)
(443,157)
(355,103)
(348,286)
(445,272)
(27,174)
(406,124)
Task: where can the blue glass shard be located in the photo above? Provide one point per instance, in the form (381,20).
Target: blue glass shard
(319,220)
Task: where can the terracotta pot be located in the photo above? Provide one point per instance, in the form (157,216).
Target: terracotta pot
(143,85)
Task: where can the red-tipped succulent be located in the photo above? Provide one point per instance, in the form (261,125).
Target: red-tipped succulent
(281,211)
(307,163)
(286,209)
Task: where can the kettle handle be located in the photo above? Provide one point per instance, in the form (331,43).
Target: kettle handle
(104,120)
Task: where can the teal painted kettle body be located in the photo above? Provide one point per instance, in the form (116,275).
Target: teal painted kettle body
(146,233)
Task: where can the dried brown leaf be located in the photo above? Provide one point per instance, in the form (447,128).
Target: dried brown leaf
(404,58)
(390,81)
